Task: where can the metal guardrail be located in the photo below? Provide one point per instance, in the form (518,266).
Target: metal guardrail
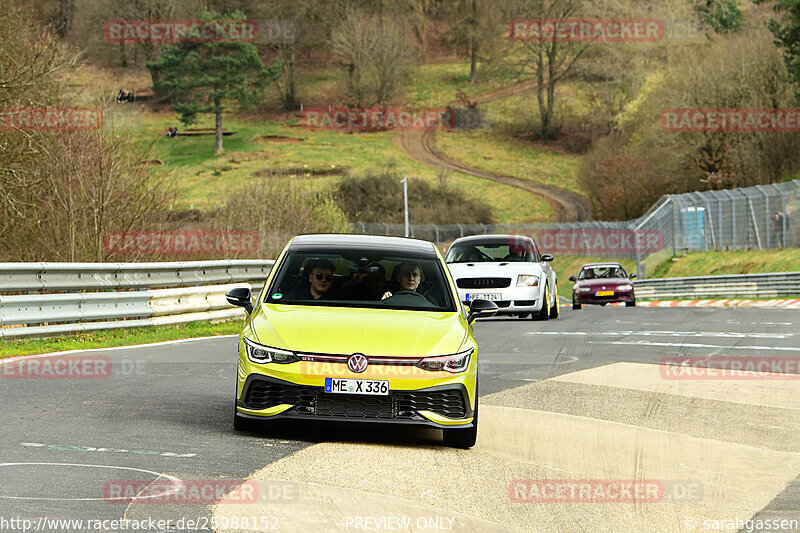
(736,286)
(25,277)
(191,290)
(188,291)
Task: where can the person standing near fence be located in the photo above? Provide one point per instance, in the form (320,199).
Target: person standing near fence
(780,226)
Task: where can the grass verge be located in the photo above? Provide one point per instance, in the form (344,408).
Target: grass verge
(722,263)
(117,337)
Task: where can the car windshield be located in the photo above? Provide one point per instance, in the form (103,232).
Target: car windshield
(362,278)
(473,252)
(606,271)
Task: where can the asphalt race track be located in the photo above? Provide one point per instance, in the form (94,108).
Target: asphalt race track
(585,397)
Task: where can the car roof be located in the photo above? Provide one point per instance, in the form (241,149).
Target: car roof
(601,265)
(490,238)
(339,241)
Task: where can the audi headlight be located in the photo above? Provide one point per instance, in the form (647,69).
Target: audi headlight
(457,362)
(258,353)
(625,287)
(527,280)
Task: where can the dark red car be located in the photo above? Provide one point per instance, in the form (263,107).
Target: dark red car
(602,283)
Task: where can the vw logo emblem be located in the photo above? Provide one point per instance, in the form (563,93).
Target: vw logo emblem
(357,363)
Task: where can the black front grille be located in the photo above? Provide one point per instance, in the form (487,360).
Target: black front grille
(483,283)
(397,405)
(353,406)
(524,303)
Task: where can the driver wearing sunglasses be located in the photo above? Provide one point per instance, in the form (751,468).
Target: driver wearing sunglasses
(320,281)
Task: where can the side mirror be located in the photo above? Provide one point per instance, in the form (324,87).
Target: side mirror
(632,276)
(547,257)
(572,278)
(241,297)
(481,309)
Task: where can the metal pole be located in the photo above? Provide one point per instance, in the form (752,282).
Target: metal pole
(405,201)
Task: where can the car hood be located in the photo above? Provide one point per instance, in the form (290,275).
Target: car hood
(493,270)
(345,330)
(607,282)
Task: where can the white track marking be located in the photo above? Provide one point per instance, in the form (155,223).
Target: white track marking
(173,479)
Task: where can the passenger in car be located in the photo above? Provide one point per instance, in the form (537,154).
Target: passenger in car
(320,281)
(370,286)
(470,254)
(516,253)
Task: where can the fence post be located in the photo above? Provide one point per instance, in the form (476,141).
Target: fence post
(675,225)
(766,216)
(784,221)
(639,273)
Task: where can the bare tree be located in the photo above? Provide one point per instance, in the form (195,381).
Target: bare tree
(375,53)
(549,62)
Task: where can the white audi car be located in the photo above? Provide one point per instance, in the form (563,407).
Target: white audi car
(508,270)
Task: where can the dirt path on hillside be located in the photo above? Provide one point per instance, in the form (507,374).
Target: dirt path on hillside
(421,146)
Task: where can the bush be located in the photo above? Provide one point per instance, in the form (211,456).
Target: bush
(378,197)
(278,208)
(741,72)
(621,185)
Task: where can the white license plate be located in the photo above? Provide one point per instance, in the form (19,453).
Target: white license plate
(492,296)
(373,387)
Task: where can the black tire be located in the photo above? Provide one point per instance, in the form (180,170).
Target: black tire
(630,304)
(554,309)
(544,313)
(463,438)
(575,305)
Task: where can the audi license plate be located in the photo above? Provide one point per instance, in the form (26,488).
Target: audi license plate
(493,297)
(373,387)
(604,293)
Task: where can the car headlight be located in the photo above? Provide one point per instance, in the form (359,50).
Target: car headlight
(584,289)
(626,287)
(258,353)
(457,362)
(527,280)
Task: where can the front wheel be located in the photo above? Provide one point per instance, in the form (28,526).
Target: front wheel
(630,304)
(463,438)
(575,304)
(554,309)
(544,313)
